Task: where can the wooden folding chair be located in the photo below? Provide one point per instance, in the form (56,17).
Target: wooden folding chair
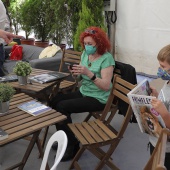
(156,161)
(69,56)
(96,133)
(73,57)
(97,115)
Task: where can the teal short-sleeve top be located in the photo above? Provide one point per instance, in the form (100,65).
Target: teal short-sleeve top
(88,87)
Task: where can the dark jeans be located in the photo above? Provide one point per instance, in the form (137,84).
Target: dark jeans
(2,59)
(70,103)
(167,157)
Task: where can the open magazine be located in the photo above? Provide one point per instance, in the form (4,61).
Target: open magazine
(148,119)
(48,77)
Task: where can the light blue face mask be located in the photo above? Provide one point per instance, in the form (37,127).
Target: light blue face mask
(90,49)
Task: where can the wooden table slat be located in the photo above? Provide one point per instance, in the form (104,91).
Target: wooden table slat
(30,130)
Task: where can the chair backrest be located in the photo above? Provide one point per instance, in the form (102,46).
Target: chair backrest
(156,161)
(70,56)
(61,138)
(119,93)
(117,71)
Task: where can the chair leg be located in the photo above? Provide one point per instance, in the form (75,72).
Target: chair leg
(105,157)
(106,160)
(76,158)
(88,117)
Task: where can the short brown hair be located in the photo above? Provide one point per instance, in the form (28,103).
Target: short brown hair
(164,54)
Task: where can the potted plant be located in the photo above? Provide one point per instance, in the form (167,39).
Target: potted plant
(22,70)
(6,93)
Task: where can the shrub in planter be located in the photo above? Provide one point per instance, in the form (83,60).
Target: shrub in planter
(22,68)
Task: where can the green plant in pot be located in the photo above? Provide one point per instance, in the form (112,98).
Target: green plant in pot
(6,93)
(22,70)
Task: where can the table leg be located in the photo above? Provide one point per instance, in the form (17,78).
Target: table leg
(29,149)
(43,140)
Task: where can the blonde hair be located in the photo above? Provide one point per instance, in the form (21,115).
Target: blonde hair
(164,54)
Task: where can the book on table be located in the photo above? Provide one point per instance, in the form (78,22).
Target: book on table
(8,78)
(3,134)
(48,77)
(148,119)
(34,108)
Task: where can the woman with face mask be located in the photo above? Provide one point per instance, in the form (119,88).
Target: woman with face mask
(162,103)
(95,72)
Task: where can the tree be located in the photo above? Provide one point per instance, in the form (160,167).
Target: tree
(25,17)
(67,17)
(14,13)
(59,29)
(43,19)
(74,9)
(91,15)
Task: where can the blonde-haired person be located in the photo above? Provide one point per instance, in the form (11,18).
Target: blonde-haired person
(162,103)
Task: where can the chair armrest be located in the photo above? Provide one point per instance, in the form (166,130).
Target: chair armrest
(52,63)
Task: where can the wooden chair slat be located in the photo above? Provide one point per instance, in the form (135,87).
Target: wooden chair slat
(78,134)
(99,131)
(123,97)
(121,88)
(93,134)
(85,133)
(105,129)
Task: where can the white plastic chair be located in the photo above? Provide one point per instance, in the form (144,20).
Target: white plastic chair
(61,138)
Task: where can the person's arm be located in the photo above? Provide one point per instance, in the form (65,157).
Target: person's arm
(103,82)
(162,110)
(7,36)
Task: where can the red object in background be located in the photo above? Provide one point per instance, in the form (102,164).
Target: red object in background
(16,52)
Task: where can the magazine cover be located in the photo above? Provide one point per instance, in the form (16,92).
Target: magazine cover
(45,78)
(148,119)
(142,88)
(34,108)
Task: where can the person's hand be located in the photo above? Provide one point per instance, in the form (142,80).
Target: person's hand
(154,91)
(79,69)
(8,37)
(159,106)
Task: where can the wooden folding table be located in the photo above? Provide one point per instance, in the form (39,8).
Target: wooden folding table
(19,124)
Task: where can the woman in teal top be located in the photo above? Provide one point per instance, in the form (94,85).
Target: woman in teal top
(95,72)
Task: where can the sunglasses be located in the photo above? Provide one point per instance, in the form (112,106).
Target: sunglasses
(90,31)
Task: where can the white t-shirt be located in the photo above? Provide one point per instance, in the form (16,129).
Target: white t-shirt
(3,17)
(2,12)
(166,100)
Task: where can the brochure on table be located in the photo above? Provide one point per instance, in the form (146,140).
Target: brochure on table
(34,108)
